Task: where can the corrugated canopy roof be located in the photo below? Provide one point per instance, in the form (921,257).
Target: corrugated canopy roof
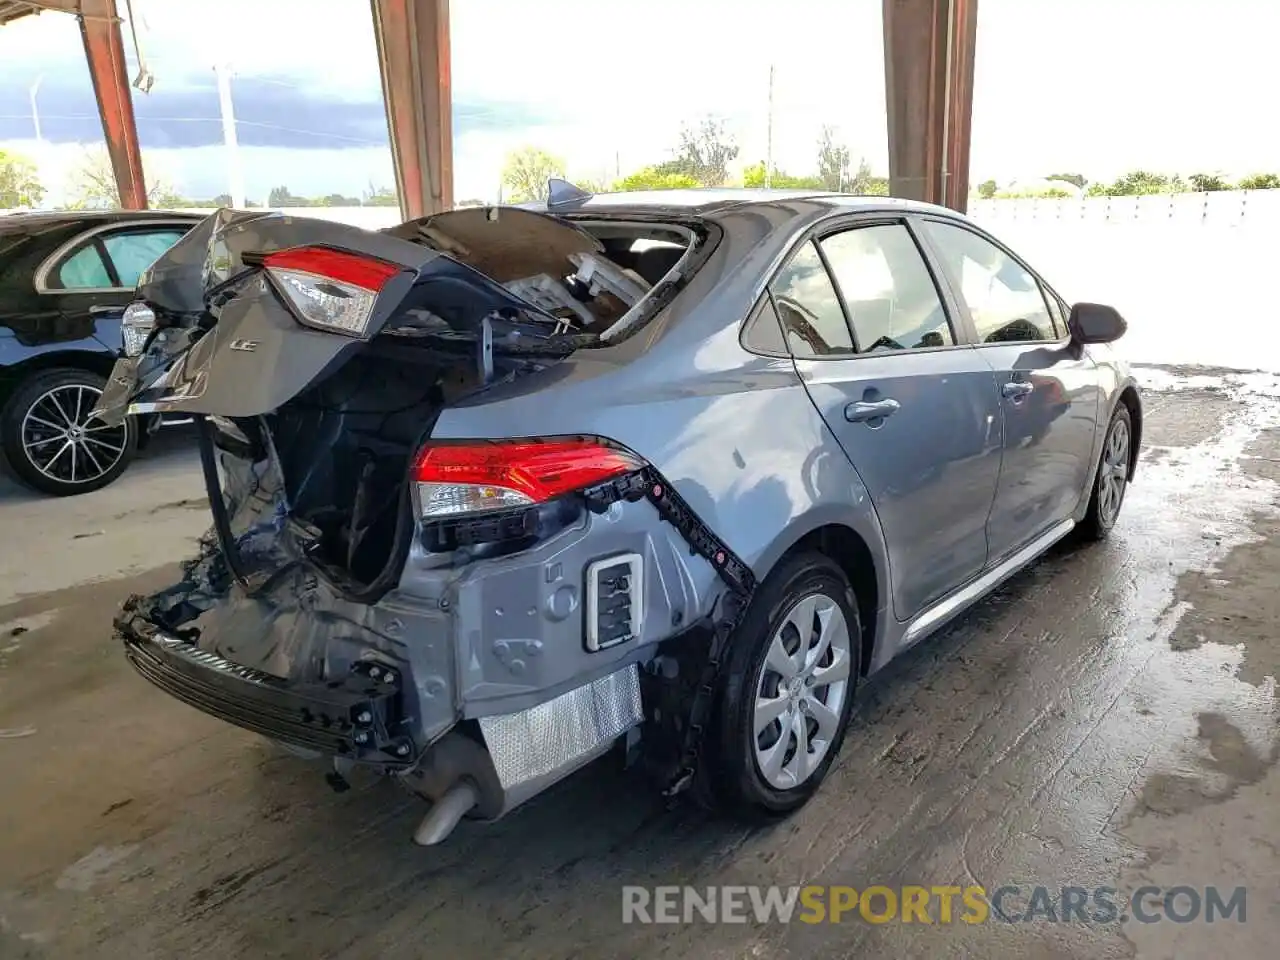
(11,10)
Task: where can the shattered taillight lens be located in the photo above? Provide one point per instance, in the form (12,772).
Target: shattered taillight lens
(330,289)
(459,478)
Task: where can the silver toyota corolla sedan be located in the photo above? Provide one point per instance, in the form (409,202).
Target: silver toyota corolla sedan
(498,490)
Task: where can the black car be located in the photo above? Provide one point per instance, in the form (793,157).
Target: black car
(65,278)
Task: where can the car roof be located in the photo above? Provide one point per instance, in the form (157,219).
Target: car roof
(53,216)
(26,221)
(708,201)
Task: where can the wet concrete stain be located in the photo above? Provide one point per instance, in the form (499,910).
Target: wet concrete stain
(1038,740)
(1229,754)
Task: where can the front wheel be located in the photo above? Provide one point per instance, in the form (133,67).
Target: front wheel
(1112,478)
(787,689)
(51,442)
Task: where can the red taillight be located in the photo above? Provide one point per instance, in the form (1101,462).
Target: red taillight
(365,272)
(484,475)
(330,289)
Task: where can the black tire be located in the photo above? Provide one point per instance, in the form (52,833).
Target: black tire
(21,460)
(732,778)
(1099,519)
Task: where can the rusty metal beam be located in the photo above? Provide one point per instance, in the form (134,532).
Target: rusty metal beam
(104,49)
(413,56)
(928,59)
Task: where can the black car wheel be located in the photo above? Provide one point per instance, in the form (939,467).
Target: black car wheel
(51,442)
(787,690)
(1112,478)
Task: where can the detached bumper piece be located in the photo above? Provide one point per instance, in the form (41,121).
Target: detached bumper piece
(357,717)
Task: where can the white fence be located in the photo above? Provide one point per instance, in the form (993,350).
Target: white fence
(1226,207)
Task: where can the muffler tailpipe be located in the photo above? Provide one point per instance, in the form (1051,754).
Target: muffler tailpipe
(445,813)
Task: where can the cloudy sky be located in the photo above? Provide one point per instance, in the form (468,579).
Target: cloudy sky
(1096,86)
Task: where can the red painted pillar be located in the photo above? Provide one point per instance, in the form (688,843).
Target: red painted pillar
(104,50)
(413,55)
(928,59)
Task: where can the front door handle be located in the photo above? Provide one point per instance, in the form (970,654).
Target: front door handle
(861,411)
(1017,389)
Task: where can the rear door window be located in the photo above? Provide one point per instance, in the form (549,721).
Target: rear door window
(134,251)
(892,301)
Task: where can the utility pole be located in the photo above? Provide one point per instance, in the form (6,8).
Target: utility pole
(235,172)
(35,110)
(768,150)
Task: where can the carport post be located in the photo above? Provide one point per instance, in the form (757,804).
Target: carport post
(104,51)
(413,58)
(928,64)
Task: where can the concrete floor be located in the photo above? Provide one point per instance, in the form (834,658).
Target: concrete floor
(1108,719)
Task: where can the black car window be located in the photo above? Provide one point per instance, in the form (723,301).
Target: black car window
(1003,298)
(892,301)
(83,270)
(763,332)
(809,308)
(133,251)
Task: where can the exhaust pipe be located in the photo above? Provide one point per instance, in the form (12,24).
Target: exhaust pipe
(445,813)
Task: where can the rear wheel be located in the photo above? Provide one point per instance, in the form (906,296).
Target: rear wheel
(1112,478)
(787,690)
(51,442)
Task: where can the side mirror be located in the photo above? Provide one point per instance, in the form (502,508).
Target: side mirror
(1095,323)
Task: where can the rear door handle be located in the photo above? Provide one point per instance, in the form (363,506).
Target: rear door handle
(860,411)
(1017,389)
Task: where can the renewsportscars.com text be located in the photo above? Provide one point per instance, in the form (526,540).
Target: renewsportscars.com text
(938,904)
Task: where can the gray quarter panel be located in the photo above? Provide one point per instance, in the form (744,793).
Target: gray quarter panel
(734,434)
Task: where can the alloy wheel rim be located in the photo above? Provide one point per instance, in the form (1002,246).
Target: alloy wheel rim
(1115,472)
(801,693)
(64,443)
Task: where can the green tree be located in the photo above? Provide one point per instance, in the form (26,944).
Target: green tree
(1138,183)
(526,171)
(753,176)
(1039,193)
(655,178)
(1208,182)
(91,184)
(281,197)
(1073,178)
(335,200)
(833,163)
(1261,181)
(380,197)
(19,184)
(703,152)
(987,189)
(876,187)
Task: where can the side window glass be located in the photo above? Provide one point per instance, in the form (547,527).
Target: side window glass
(1003,298)
(83,270)
(763,333)
(808,308)
(133,252)
(891,297)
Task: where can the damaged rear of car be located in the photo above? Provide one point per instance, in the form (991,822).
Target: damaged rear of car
(471,616)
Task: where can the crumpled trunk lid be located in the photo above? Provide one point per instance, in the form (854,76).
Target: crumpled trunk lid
(228,344)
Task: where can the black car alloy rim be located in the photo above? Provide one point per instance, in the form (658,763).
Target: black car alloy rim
(64,442)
